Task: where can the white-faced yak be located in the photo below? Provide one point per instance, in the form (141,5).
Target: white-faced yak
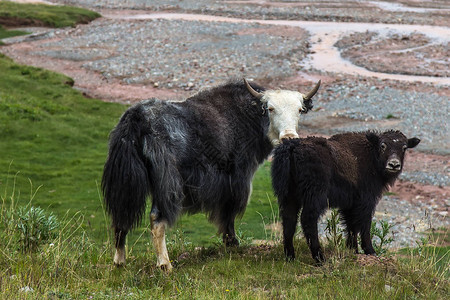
(198,155)
(348,171)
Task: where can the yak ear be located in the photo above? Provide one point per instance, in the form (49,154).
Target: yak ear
(373,138)
(308,104)
(412,142)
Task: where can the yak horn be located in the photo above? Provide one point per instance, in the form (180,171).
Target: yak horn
(313,91)
(252,91)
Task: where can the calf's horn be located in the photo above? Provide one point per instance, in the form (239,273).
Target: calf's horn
(313,91)
(252,91)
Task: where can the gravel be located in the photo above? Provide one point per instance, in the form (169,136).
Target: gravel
(408,227)
(414,113)
(344,11)
(180,54)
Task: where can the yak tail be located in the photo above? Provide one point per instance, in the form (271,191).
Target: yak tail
(281,171)
(125,181)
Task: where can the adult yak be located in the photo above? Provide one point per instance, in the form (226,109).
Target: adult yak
(194,156)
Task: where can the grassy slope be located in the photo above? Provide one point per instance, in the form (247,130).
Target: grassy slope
(40,14)
(4,33)
(54,137)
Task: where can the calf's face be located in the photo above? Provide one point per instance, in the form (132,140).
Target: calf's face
(285,109)
(391,147)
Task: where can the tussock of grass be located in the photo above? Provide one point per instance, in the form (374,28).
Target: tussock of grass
(9,33)
(17,14)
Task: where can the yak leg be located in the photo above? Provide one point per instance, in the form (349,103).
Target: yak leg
(352,232)
(309,219)
(289,215)
(120,237)
(159,242)
(229,235)
(352,240)
(232,206)
(366,241)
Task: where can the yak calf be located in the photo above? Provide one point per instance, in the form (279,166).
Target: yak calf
(348,171)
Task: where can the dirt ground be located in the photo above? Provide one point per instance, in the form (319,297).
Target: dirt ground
(413,54)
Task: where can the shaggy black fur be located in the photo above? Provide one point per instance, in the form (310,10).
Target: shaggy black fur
(191,156)
(348,171)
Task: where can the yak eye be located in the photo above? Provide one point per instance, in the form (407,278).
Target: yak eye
(301,110)
(404,148)
(271,109)
(383,146)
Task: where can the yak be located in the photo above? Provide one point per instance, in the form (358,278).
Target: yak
(198,155)
(348,171)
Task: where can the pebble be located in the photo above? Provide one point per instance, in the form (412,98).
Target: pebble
(177,53)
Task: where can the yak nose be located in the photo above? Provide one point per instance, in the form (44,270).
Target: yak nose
(288,134)
(394,164)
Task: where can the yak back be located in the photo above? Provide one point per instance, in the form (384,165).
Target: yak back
(230,119)
(214,140)
(342,167)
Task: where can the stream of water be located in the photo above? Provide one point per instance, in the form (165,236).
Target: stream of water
(324,35)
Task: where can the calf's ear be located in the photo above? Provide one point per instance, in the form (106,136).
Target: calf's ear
(373,138)
(412,142)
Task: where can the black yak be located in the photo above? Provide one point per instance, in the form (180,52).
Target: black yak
(348,171)
(198,155)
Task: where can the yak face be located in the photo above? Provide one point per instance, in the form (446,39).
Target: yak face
(390,148)
(285,109)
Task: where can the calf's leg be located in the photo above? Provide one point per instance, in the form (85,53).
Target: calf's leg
(289,209)
(308,219)
(366,241)
(352,231)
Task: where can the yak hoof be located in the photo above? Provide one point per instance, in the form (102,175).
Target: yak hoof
(165,267)
(319,259)
(290,258)
(119,257)
(231,242)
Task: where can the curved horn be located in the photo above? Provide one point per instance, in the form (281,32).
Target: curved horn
(252,91)
(313,91)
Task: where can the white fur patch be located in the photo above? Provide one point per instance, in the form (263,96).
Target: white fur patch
(284,113)
(159,241)
(119,256)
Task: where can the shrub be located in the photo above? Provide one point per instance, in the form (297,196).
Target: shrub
(31,227)
(380,236)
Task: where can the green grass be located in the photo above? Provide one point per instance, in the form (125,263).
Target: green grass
(40,14)
(52,135)
(9,33)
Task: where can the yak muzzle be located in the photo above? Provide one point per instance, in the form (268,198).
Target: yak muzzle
(288,134)
(394,165)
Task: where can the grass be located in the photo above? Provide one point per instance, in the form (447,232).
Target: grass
(16,14)
(4,33)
